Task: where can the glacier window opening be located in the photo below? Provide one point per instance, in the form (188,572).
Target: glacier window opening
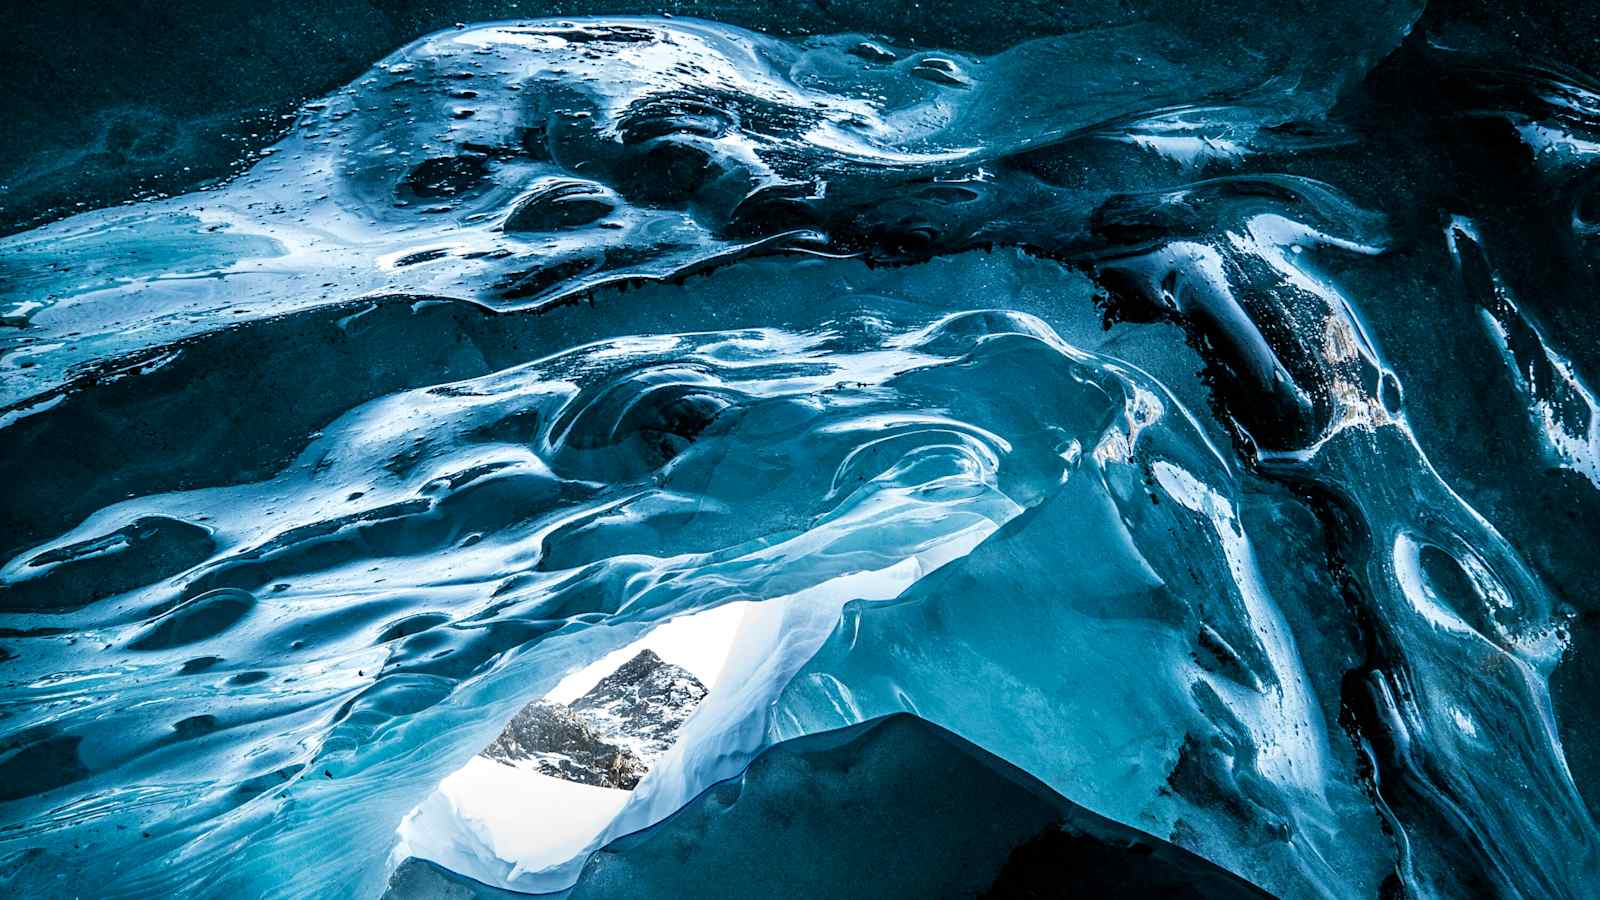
(495,819)
(475,824)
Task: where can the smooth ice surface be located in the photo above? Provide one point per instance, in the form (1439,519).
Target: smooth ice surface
(895,808)
(1185,411)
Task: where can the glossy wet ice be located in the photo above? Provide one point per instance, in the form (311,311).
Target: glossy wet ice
(1073,398)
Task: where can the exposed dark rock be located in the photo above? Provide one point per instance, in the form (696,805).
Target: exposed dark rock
(642,705)
(558,743)
(610,736)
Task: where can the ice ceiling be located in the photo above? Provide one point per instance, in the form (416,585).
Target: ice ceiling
(1183,443)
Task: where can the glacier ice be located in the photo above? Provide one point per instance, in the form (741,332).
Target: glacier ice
(1195,450)
(845,806)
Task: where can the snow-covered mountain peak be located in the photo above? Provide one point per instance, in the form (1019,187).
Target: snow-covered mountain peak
(611,735)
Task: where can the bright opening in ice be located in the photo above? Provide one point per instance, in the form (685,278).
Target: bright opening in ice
(530,801)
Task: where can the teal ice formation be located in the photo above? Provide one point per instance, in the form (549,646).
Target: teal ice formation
(1155,470)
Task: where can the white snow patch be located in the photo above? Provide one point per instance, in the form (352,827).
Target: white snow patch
(490,818)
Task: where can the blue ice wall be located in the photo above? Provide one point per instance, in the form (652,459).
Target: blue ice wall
(1199,423)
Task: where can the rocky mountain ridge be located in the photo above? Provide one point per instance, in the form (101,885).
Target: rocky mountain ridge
(611,735)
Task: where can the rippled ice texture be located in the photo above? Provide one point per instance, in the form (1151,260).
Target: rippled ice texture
(1126,408)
